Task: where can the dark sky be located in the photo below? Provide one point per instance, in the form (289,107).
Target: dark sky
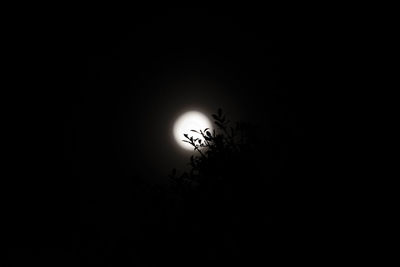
(138,73)
(99,121)
(94,92)
(134,74)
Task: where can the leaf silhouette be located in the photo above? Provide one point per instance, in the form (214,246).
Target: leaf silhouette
(222,155)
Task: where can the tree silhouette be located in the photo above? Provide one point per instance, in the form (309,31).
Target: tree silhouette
(229,150)
(226,187)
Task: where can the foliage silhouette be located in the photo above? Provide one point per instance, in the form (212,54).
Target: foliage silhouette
(225,188)
(225,151)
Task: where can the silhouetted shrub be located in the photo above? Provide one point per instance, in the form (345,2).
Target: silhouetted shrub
(227,165)
(224,193)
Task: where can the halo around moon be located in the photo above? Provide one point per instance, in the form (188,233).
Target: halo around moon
(192,120)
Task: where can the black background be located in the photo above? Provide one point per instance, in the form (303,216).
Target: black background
(101,89)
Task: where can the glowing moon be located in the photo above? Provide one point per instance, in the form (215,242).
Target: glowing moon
(192,120)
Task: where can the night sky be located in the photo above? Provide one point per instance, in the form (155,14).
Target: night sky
(141,75)
(100,125)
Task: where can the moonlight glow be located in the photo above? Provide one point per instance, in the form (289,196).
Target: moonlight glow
(192,120)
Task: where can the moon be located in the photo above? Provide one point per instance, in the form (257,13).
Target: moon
(191,120)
